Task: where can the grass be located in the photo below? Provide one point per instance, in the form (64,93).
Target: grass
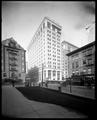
(76,90)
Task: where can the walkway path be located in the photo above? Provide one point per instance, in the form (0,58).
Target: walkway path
(16,105)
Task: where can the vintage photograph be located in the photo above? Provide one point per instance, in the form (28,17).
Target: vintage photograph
(48,59)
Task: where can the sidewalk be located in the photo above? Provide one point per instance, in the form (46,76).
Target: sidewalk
(16,105)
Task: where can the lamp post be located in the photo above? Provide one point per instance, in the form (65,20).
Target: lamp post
(71,83)
(70,86)
(84,77)
(42,73)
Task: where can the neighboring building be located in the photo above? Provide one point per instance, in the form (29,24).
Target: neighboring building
(13,60)
(44,50)
(66,47)
(82,60)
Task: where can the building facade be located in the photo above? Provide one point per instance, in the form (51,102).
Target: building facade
(13,60)
(82,60)
(44,50)
(66,47)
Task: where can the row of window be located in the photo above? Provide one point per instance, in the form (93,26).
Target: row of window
(54,47)
(84,71)
(58,60)
(54,28)
(87,52)
(54,73)
(53,35)
(53,38)
(84,62)
(49,63)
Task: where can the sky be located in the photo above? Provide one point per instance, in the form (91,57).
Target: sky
(20,20)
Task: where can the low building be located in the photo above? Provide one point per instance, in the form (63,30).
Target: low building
(13,60)
(82,61)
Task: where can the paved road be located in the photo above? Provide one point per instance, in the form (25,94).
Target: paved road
(16,105)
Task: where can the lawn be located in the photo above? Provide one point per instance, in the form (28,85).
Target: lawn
(76,90)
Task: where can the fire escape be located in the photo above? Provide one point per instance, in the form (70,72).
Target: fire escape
(13,64)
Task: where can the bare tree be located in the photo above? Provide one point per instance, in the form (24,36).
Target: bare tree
(33,74)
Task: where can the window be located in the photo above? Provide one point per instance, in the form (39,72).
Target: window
(12,44)
(22,58)
(58,50)
(53,37)
(58,75)
(53,34)
(48,31)
(39,33)
(58,53)
(89,71)
(89,51)
(23,69)
(54,67)
(49,54)
(58,39)
(48,25)
(77,65)
(19,74)
(49,46)
(58,63)
(49,43)
(49,74)
(43,25)
(89,61)
(53,28)
(54,73)
(22,53)
(49,35)
(84,62)
(59,32)
(44,74)
(41,29)
(49,39)
(58,35)
(72,65)
(4,75)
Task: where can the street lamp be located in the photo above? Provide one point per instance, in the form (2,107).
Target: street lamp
(84,77)
(42,73)
(71,82)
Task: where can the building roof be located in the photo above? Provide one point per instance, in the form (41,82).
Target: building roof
(52,21)
(5,43)
(82,48)
(39,27)
(69,43)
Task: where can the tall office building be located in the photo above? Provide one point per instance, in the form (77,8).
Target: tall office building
(44,50)
(13,60)
(66,47)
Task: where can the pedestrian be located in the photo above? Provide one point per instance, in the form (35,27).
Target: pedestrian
(59,87)
(46,84)
(13,83)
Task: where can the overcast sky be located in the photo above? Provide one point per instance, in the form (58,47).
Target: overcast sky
(20,20)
